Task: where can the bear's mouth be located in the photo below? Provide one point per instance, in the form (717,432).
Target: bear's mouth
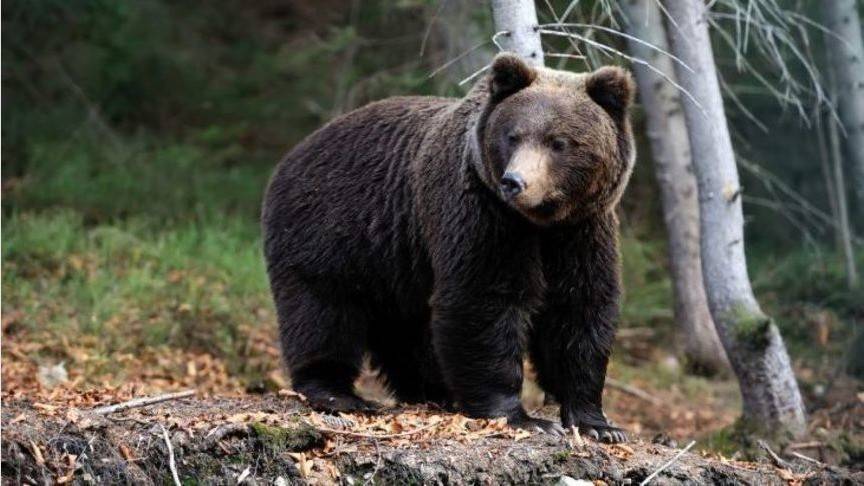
(544,213)
(545,209)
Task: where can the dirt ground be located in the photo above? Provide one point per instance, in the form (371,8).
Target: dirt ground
(275,439)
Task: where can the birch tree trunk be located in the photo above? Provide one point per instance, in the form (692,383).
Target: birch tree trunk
(847,63)
(518,19)
(670,149)
(771,399)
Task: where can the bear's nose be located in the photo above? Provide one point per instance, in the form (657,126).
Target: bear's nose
(512,184)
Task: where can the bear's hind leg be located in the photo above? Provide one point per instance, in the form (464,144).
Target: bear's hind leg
(322,345)
(403,354)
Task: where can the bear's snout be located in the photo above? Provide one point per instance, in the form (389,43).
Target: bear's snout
(512,184)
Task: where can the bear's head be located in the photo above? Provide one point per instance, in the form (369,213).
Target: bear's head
(555,146)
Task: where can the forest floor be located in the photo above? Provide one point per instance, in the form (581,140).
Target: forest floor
(275,439)
(227,432)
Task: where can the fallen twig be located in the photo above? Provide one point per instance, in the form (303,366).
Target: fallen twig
(807,458)
(375,436)
(244,475)
(632,390)
(171,463)
(777,460)
(371,476)
(668,463)
(806,445)
(141,402)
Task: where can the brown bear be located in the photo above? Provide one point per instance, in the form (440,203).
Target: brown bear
(446,238)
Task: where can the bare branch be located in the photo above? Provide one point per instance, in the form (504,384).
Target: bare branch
(171,463)
(565,56)
(456,59)
(668,463)
(632,390)
(630,58)
(476,73)
(142,402)
(496,36)
(624,35)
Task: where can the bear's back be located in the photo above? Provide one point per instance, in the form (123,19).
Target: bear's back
(339,208)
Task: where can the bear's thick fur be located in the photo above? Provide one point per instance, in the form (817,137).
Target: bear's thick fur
(446,238)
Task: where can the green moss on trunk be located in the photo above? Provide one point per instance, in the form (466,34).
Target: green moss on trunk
(747,327)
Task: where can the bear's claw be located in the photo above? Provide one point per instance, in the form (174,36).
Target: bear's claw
(337,402)
(594,425)
(536,425)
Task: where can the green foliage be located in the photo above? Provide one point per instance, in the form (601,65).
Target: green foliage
(136,177)
(239,84)
(647,286)
(134,283)
(809,277)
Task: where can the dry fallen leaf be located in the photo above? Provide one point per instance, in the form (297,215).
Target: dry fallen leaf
(37,453)
(67,478)
(621,451)
(304,465)
(328,467)
(127,453)
(52,376)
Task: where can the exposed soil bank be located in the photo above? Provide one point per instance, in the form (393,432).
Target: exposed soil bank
(276,440)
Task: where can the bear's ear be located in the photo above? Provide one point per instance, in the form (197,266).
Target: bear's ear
(509,75)
(613,89)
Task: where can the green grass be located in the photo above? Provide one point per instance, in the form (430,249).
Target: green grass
(137,177)
(135,283)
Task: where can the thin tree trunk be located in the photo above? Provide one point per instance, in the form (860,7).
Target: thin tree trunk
(825,166)
(771,399)
(670,149)
(518,20)
(846,56)
(844,233)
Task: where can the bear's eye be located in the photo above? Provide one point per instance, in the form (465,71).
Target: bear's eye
(512,139)
(558,144)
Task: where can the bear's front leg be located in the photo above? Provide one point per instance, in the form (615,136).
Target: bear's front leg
(572,336)
(479,345)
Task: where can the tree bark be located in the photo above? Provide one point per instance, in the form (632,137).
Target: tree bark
(771,399)
(518,18)
(846,56)
(670,150)
(843,231)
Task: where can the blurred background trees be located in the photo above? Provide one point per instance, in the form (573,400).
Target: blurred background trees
(138,136)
